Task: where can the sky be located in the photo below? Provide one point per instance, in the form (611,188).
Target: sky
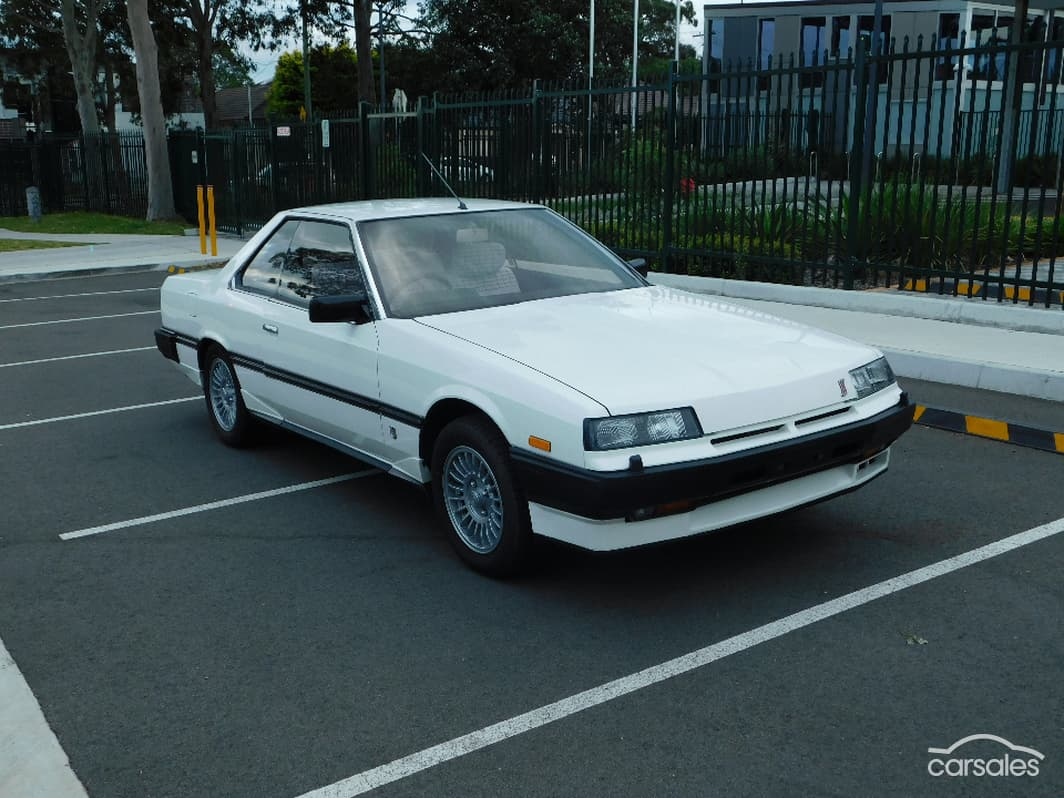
(266,61)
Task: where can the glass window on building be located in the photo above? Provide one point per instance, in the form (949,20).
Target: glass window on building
(814,43)
(766,40)
(715,38)
(840,35)
(866,26)
(993,31)
(949,38)
(1055,56)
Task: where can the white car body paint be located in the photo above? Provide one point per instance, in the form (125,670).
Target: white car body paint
(540,368)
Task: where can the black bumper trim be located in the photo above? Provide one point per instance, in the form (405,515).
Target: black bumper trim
(614,494)
(166,341)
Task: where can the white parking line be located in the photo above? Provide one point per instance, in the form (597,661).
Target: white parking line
(210,506)
(80,319)
(74,356)
(32,763)
(548,714)
(82,294)
(94,413)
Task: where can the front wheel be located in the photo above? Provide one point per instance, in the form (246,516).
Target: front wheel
(484,513)
(225,404)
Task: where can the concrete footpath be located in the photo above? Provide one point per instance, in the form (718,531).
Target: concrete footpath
(1004,347)
(106,253)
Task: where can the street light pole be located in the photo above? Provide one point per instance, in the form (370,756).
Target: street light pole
(635,57)
(306,62)
(677,57)
(380,23)
(590,76)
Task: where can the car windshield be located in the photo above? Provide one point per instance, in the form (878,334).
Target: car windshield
(456,262)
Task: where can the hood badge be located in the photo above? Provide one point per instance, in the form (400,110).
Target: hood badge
(842,387)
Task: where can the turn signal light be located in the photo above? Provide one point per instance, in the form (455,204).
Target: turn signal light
(539,443)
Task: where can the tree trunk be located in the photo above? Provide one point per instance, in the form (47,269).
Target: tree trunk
(202,14)
(82,51)
(160,189)
(364,50)
(81,47)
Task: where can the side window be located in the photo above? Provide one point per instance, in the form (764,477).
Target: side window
(321,261)
(263,272)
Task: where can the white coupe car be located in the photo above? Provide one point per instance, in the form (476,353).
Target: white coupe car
(538,383)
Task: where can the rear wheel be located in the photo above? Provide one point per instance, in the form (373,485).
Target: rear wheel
(225,404)
(484,513)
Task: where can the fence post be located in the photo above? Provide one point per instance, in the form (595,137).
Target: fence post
(102,149)
(368,171)
(857,151)
(420,168)
(670,167)
(537,143)
(238,178)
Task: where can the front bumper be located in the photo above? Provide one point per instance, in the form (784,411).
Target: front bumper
(609,495)
(166,342)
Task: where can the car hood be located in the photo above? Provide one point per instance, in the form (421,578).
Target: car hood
(651,348)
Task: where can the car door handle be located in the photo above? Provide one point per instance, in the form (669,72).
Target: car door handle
(269,328)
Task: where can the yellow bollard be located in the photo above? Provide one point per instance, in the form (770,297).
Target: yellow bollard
(202,224)
(210,219)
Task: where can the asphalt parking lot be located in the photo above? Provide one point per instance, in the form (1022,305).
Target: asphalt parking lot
(274,645)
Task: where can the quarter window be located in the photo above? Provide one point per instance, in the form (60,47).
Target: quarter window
(263,272)
(321,261)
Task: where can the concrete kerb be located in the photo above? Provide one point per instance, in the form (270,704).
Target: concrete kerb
(976,375)
(974,372)
(1011,316)
(205,263)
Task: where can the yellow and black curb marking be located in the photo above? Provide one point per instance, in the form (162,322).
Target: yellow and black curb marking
(974,289)
(989,428)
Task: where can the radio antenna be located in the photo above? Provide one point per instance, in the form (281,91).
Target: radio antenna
(461,204)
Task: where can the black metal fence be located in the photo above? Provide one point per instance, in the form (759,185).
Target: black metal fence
(104,173)
(917,168)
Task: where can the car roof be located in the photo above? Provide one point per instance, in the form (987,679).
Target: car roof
(400,208)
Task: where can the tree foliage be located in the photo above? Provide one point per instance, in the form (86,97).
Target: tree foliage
(503,44)
(333,80)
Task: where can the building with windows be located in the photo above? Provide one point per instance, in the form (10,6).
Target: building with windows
(768,33)
(938,88)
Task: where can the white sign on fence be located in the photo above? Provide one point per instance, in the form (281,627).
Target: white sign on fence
(325,133)
(284,131)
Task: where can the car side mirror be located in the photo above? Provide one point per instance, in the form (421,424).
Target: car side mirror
(341,308)
(639,265)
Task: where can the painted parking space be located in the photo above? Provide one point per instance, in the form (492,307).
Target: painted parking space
(27,313)
(277,645)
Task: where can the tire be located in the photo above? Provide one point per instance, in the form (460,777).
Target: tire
(225,403)
(483,511)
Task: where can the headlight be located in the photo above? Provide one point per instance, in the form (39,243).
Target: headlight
(623,431)
(872,377)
